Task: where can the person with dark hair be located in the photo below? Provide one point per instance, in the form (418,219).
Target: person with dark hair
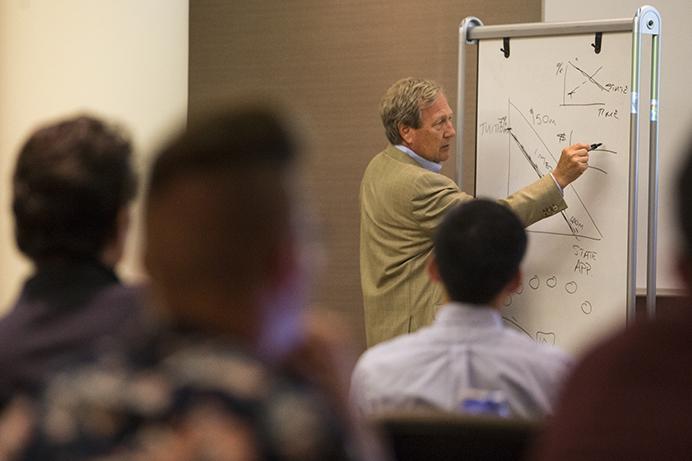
(403,198)
(629,398)
(467,361)
(72,188)
(212,381)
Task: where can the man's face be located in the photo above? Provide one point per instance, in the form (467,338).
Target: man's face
(433,140)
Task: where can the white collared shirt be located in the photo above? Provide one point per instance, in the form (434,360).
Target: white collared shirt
(466,350)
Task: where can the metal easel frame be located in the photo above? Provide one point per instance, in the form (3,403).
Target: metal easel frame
(647,21)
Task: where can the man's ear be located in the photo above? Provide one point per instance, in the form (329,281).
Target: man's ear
(433,269)
(406,133)
(515,282)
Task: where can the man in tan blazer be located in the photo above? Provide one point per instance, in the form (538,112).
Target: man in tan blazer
(403,198)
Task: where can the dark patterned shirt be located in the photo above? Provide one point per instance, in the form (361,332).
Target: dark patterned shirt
(184,398)
(64,309)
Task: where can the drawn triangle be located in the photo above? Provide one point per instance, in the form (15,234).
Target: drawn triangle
(531,159)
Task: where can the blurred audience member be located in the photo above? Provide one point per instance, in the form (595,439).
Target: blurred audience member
(223,253)
(630,397)
(466,361)
(72,188)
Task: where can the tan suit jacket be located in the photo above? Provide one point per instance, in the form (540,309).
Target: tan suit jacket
(401,205)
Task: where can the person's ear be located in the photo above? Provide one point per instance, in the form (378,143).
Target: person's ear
(515,282)
(433,269)
(406,133)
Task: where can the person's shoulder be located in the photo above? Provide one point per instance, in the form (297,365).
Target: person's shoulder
(123,295)
(16,327)
(279,403)
(393,162)
(11,319)
(427,180)
(202,384)
(377,159)
(401,349)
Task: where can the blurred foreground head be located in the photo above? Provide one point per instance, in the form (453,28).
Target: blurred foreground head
(220,237)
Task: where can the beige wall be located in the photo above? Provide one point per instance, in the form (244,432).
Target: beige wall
(123,59)
(332,60)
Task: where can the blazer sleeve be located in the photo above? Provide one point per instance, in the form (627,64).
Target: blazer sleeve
(536,201)
(436,193)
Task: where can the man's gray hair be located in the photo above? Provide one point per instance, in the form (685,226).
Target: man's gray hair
(402,103)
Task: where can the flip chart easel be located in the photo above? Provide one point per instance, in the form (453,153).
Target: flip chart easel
(541,87)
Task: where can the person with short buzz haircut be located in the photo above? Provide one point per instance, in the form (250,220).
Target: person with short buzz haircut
(403,198)
(467,361)
(72,188)
(214,380)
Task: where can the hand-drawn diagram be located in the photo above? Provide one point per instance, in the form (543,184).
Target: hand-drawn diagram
(534,282)
(547,337)
(512,321)
(581,88)
(550,94)
(586,307)
(528,151)
(571,287)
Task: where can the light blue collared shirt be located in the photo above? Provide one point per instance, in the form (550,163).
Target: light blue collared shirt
(425,163)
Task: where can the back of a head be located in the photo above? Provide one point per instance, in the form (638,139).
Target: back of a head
(478,248)
(218,205)
(70,182)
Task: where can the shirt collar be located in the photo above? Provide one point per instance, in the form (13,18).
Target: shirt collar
(425,163)
(461,314)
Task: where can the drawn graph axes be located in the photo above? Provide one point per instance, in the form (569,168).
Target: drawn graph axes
(589,79)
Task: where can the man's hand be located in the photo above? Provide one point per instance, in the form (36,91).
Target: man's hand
(573,162)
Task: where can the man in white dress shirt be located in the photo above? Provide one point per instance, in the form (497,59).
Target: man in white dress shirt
(467,361)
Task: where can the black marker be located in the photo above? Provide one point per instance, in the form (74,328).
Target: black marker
(595,146)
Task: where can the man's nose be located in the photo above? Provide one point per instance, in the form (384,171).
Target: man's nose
(450,131)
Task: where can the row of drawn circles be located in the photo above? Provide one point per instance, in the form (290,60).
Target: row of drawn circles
(570,287)
(551,282)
